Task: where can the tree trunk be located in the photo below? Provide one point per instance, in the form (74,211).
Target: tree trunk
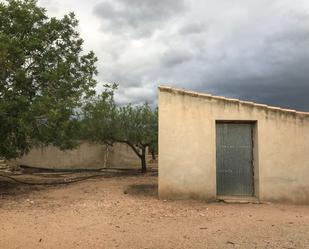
(153,155)
(143,160)
(142,156)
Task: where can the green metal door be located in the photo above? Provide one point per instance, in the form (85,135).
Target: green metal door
(234,159)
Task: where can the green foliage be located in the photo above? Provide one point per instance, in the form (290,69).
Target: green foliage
(44,78)
(136,126)
(98,121)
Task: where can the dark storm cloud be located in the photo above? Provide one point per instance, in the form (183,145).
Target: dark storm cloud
(253,50)
(138,18)
(265,61)
(284,90)
(283,77)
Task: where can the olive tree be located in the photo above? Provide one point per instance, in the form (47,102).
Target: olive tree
(106,123)
(137,127)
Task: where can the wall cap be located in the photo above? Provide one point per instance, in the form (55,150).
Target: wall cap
(209,96)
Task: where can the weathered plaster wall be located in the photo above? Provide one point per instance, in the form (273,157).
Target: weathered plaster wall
(122,156)
(187,146)
(86,156)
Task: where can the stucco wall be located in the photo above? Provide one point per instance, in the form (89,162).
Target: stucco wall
(187,146)
(122,156)
(86,156)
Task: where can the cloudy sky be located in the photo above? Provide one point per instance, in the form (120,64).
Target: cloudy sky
(250,49)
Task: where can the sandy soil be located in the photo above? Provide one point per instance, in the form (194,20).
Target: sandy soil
(124,212)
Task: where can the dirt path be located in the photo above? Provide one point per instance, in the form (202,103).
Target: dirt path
(124,212)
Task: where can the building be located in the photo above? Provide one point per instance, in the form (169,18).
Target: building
(216,148)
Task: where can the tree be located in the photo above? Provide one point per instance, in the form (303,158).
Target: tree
(105,123)
(98,118)
(44,78)
(137,126)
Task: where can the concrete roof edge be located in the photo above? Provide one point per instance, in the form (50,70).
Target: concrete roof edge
(205,95)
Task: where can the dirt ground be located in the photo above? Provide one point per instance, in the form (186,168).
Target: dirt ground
(125,212)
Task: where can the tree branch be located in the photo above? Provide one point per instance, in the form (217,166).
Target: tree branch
(132,146)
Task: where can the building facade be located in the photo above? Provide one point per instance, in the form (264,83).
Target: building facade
(213,147)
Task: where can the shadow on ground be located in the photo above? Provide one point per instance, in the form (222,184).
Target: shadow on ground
(13,189)
(150,190)
(23,184)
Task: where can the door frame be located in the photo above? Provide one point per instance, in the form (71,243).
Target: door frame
(254,164)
